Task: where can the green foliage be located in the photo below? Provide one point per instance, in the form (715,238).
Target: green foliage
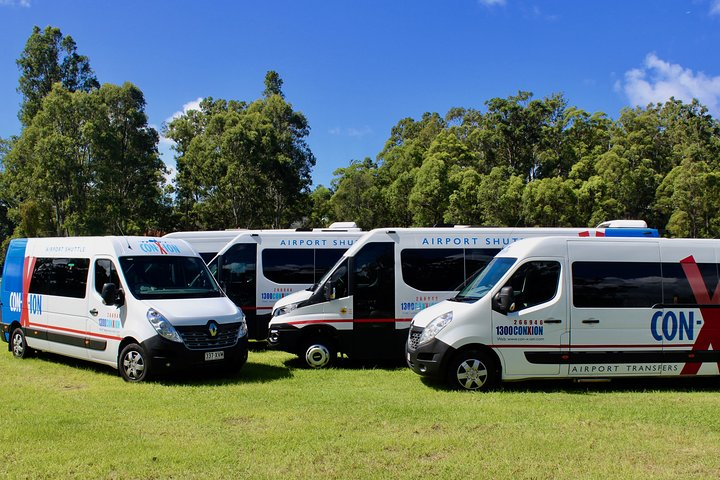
(540,162)
(50,57)
(86,164)
(242,165)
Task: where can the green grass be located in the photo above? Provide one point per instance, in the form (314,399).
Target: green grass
(62,418)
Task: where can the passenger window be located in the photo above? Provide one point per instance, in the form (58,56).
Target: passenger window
(61,277)
(325,259)
(676,286)
(105,272)
(431,270)
(534,283)
(286,266)
(616,284)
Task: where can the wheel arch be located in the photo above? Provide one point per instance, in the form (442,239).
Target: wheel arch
(479,347)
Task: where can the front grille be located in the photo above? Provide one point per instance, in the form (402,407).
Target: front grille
(198,337)
(414,338)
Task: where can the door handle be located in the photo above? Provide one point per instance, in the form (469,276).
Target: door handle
(552,320)
(93,312)
(591,320)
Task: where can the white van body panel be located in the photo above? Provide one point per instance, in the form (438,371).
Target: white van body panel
(622,307)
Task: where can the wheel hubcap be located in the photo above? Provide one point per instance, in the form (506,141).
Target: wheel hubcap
(317,356)
(134,365)
(472,374)
(18,348)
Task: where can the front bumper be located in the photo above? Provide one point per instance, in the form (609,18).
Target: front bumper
(284,337)
(428,359)
(166,355)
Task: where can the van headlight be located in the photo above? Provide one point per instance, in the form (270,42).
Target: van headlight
(285,309)
(242,331)
(434,327)
(162,326)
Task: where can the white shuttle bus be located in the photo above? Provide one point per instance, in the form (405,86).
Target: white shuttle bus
(364,305)
(577,308)
(258,267)
(139,304)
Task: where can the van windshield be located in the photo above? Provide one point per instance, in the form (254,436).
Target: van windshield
(484,281)
(166,277)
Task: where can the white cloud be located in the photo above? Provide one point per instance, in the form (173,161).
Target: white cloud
(492,3)
(659,80)
(191,105)
(351,131)
(715,7)
(15,3)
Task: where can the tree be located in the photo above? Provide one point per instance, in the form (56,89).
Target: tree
(356,196)
(50,57)
(242,165)
(86,164)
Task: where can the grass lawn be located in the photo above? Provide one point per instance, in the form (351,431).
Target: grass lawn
(275,419)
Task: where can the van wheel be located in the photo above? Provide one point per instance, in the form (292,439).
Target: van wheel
(133,363)
(472,370)
(319,353)
(18,344)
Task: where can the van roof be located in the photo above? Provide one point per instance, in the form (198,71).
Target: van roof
(120,246)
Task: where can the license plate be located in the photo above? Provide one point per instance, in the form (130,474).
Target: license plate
(214,355)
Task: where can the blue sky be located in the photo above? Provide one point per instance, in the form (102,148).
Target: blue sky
(355,68)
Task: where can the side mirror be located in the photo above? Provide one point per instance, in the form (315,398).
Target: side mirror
(329,291)
(111,295)
(502,300)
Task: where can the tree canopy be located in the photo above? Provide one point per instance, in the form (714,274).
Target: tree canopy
(87,162)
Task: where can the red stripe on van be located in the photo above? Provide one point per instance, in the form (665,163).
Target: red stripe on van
(71,330)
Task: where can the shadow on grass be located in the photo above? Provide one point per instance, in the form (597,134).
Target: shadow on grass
(615,385)
(346,363)
(251,372)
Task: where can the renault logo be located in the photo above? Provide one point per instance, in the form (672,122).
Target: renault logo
(212,328)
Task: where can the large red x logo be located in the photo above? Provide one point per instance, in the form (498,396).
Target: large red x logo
(28,267)
(710,330)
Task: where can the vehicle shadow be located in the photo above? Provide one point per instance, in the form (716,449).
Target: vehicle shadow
(594,387)
(251,372)
(346,363)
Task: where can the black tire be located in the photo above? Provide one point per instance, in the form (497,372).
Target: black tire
(18,344)
(319,352)
(473,370)
(133,363)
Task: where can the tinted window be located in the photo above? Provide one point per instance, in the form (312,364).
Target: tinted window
(373,281)
(534,283)
(105,272)
(676,287)
(289,266)
(616,284)
(325,259)
(433,269)
(237,273)
(62,277)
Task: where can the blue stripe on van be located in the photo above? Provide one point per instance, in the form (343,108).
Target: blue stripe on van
(12,279)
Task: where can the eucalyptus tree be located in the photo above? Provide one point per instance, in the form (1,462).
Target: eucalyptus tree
(50,57)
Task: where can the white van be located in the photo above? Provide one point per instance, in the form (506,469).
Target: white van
(207,243)
(259,267)
(577,308)
(139,304)
(364,305)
